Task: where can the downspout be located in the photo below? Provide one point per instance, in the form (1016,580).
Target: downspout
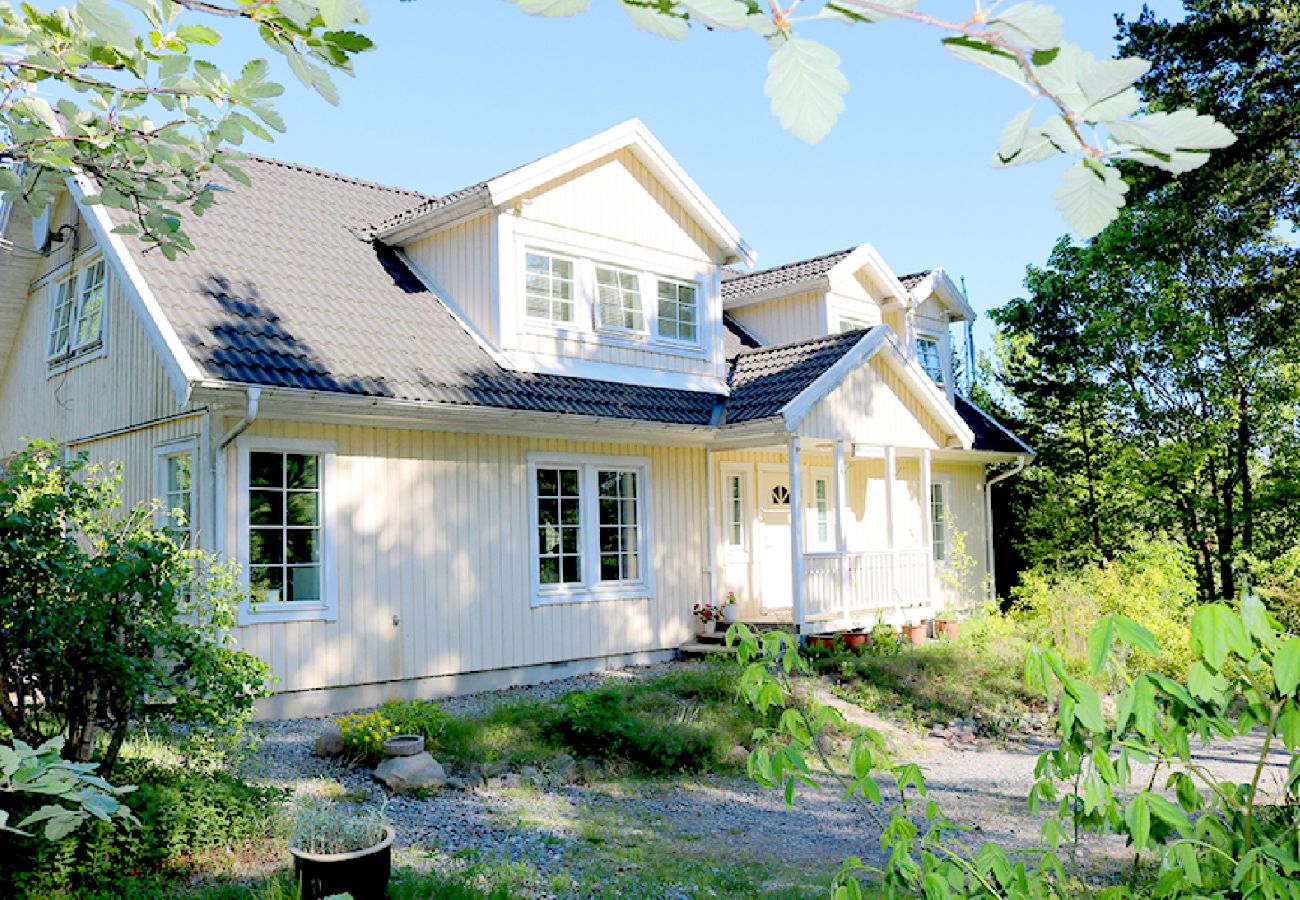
(1021,462)
(253,402)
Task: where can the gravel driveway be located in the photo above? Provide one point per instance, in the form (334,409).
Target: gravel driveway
(560,833)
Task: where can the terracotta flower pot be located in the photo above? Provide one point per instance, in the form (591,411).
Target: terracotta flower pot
(822,640)
(363,873)
(916,633)
(855,640)
(947,629)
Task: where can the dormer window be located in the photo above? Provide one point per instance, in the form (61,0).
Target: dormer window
(77,315)
(549,289)
(618,296)
(678,311)
(927,354)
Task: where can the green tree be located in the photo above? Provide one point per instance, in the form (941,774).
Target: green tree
(124,100)
(104,621)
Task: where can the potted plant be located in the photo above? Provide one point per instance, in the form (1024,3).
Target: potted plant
(710,614)
(917,632)
(946,626)
(341,851)
(855,640)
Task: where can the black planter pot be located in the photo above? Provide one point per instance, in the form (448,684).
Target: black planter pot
(363,874)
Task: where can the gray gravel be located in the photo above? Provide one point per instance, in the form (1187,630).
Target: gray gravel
(552,830)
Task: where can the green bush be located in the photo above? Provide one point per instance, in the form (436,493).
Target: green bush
(182,813)
(1153,583)
(602,724)
(1278,585)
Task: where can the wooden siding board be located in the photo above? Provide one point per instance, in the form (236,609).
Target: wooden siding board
(874,406)
(798,317)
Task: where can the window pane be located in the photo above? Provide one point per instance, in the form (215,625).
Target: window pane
(303,508)
(619,299)
(300,470)
(265,507)
(569,482)
(265,546)
(548,570)
(548,511)
(266,469)
(266,584)
(677,311)
(304,583)
(178,473)
(302,545)
(571,569)
(90,306)
(609,568)
(548,287)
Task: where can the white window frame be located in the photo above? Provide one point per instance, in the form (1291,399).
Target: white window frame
(680,283)
(745,473)
(161,454)
(326,610)
(586,326)
(591,588)
(617,269)
(937,522)
(816,542)
(575,301)
(938,342)
(73,352)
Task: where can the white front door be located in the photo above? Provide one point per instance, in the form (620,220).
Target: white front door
(774,538)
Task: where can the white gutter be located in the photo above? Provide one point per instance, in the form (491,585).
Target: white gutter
(1021,462)
(254,401)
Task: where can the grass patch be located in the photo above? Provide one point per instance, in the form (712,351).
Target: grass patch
(937,682)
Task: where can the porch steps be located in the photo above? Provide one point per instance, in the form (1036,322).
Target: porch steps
(706,645)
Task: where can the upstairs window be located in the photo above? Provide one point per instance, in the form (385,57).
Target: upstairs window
(77,313)
(927,354)
(678,311)
(849,324)
(548,291)
(618,300)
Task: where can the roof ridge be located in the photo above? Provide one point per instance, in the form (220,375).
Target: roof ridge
(792,263)
(335,176)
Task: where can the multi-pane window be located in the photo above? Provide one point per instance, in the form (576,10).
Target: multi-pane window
(927,354)
(849,324)
(590,524)
(548,288)
(77,311)
(559,526)
(620,543)
(823,511)
(678,311)
(178,496)
(618,299)
(284,527)
(735,512)
(939,520)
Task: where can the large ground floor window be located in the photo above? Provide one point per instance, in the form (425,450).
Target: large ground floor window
(590,527)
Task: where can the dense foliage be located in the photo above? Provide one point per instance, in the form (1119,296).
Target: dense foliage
(1154,368)
(68,793)
(104,620)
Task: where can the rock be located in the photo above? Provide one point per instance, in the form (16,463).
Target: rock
(531,776)
(401,774)
(458,784)
(564,769)
(329,742)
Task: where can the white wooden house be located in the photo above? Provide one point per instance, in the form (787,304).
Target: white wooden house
(510,433)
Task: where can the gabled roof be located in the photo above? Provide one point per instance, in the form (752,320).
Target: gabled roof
(764,382)
(936,283)
(817,273)
(911,281)
(632,135)
(737,284)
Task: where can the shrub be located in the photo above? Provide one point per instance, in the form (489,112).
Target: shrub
(32,775)
(324,826)
(1278,585)
(105,618)
(364,735)
(601,724)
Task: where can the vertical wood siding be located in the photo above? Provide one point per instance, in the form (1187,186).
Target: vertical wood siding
(125,386)
(873,406)
(794,318)
(433,529)
(459,260)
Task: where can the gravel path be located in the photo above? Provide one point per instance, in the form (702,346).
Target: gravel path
(559,833)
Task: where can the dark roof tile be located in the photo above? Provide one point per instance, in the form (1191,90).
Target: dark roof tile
(764,381)
(989,434)
(737,284)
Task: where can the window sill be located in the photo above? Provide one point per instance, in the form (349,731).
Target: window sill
(271,613)
(60,364)
(636,591)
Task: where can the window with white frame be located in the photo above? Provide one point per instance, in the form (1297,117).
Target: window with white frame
(939,520)
(733,488)
(618,300)
(850,324)
(678,311)
(822,509)
(77,312)
(590,530)
(548,287)
(286,528)
(175,490)
(928,355)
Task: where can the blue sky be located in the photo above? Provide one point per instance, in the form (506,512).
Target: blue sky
(460,90)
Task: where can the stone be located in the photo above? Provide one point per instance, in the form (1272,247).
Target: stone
(531,776)
(329,742)
(564,769)
(458,784)
(401,774)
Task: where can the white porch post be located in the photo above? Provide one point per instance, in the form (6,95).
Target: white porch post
(891,523)
(711,541)
(798,610)
(841,523)
(927,529)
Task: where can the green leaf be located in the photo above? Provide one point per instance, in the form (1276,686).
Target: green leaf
(198,34)
(1090,197)
(1018,145)
(1135,635)
(1141,133)
(1216,632)
(1206,683)
(986,55)
(1102,79)
(108,24)
(1088,711)
(1138,818)
(553,8)
(1189,130)
(851,14)
(1036,27)
(805,83)
(1286,667)
(1099,641)
(1120,106)
(1169,813)
(729,15)
(674,28)
(1258,623)
(1289,725)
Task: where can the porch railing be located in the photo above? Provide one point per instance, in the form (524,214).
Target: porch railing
(880,581)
